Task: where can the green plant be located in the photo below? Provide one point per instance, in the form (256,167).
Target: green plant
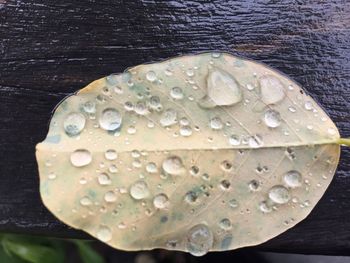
(24,249)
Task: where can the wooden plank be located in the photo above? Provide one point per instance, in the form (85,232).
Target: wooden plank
(49,49)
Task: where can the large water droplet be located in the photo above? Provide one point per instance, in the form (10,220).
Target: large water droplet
(199,240)
(292,179)
(176,93)
(279,194)
(104,179)
(161,201)
(104,234)
(74,124)
(111,155)
(139,190)
(223,89)
(110,119)
(173,165)
(272,89)
(168,118)
(80,157)
(272,118)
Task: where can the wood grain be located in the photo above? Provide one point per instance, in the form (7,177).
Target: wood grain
(49,49)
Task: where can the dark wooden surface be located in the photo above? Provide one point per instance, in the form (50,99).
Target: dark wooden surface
(49,49)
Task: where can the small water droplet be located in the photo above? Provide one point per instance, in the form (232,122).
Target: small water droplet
(254,185)
(85,201)
(89,107)
(131,129)
(234,140)
(51,176)
(104,234)
(186,131)
(279,194)
(161,201)
(199,240)
(110,197)
(168,118)
(80,157)
(265,207)
(233,203)
(190,72)
(151,168)
(293,179)
(110,119)
(139,190)
(308,105)
(292,109)
(216,123)
(225,184)
(215,54)
(191,197)
(226,166)
(176,93)
(111,154)
(173,165)
(194,170)
(141,108)
(74,123)
(104,179)
(272,118)
(225,224)
(151,76)
(255,141)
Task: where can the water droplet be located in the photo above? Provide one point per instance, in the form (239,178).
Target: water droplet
(111,154)
(104,234)
(89,107)
(215,54)
(104,179)
(272,118)
(131,129)
(113,168)
(173,165)
(308,105)
(118,90)
(255,141)
(176,93)
(74,124)
(216,123)
(191,197)
(168,118)
(110,119)
(85,201)
(141,108)
(279,194)
(151,76)
(51,176)
(194,170)
(233,203)
(190,72)
(272,89)
(234,140)
(225,184)
(254,185)
(161,201)
(110,197)
(139,190)
(223,89)
(292,109)
(80,157)
(225,224)
(226,166)
(186,131)
(264,207)
(154,102)
(151,168)
(199,240)
(293,179)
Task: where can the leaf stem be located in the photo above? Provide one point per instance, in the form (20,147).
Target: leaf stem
(344,141)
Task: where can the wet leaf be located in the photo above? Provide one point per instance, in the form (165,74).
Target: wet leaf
(198,153)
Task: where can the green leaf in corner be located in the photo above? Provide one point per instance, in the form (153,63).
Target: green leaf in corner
(87,253)
(29,252)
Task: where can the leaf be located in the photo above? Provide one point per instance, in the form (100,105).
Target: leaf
(197,153)
(87,253)
(22,248)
